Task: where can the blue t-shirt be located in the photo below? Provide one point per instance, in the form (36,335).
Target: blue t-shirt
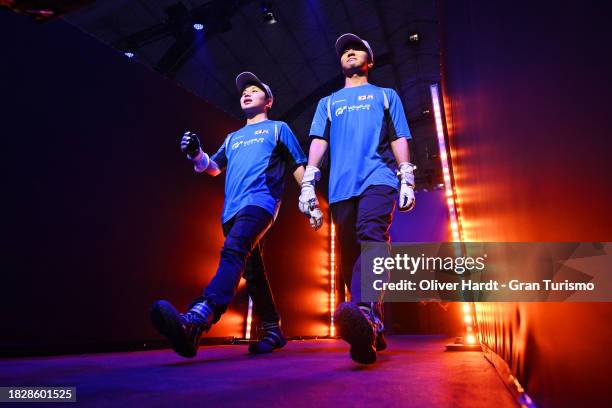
(359,123)
(256,158)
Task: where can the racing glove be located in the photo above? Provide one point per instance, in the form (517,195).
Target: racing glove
(406,191)
(308,203)
(190,145)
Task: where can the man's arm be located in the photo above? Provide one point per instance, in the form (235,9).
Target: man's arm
(318,147)
(298,174)
(293,153)
(399,146)
(401,151)
(213,169)
(308,203)
(406,173)
(203,164)
(319,133)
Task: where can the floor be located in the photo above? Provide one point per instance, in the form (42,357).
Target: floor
(414,372)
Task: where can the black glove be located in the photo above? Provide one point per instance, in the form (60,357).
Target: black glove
(190,144)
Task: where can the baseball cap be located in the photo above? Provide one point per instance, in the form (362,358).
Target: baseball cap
(348,38)
(246,78)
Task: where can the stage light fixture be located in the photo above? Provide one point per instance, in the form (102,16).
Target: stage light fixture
(268,13)
(414,38)
(198,26)
(129,54)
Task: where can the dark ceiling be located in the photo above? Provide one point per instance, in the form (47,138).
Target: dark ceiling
(295,56)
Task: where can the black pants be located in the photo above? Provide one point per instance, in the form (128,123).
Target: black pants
(364,218)
(242,255)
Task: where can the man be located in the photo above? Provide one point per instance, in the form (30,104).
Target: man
(366,130)
(256,157)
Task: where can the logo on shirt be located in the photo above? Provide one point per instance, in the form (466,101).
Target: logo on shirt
(365,97)
(352,108)
(261,132)
(338,101)
(244,143)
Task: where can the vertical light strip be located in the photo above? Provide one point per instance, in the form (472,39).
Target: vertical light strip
(470,337)
(468,313)
(448,187)
(332,278)
(249,320)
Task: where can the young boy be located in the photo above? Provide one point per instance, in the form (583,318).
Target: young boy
(366,130)
(256,158)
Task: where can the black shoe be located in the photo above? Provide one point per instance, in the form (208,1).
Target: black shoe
(183,330)
(356,329)
(272,339)
(381,343)
(379,327)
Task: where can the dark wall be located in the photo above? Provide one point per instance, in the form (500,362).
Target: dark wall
(529,94)
(102,214)
(526,89)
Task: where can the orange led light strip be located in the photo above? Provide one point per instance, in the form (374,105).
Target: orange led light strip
(448,187)
(332,278)
(468,319)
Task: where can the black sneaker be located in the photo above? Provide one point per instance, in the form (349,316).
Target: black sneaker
(183,330)
(379,327)
(272,339)
(381,342)
(356,329)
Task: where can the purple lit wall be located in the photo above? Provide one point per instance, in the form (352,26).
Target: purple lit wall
(427,222)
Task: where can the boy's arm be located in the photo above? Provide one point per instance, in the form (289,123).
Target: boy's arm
(190,145)
(400,134)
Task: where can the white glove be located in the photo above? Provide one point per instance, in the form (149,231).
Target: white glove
(308,203)
(406,192)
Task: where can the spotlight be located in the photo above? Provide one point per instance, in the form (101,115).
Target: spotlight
(414,38)
(198,26)
(471,339)
(268,13)
(129,54)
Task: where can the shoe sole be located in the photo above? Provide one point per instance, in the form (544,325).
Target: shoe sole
(167,321)
(356,330)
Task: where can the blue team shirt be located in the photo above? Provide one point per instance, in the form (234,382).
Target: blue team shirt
(359,123)
(256,158)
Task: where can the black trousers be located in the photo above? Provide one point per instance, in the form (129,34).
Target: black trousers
(364,218)
(242,256)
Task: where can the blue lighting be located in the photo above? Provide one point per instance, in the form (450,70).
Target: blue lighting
(129,54)
(198,26)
